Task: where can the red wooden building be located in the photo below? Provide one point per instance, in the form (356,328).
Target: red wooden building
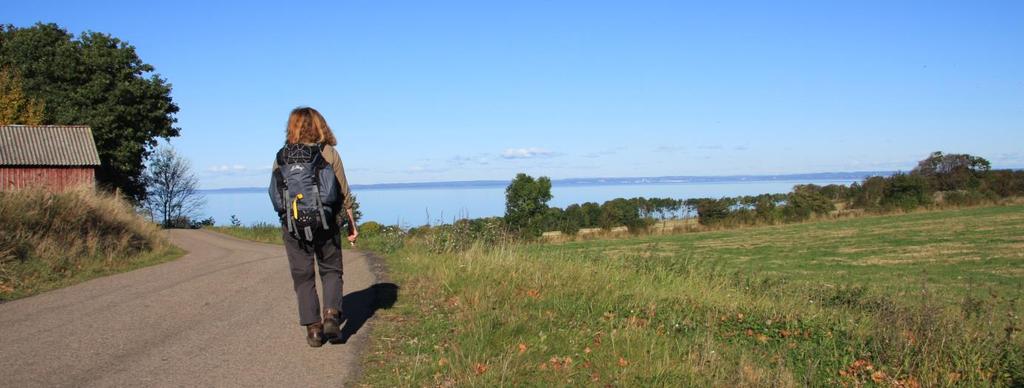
(56,157)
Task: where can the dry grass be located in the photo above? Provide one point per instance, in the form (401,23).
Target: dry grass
(50,238)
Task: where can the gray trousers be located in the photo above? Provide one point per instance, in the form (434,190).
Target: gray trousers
(326,252)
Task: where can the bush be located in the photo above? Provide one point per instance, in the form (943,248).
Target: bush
(965,198)
(711,211)
(801,204)
(380,238)
(1004,183)
(369,229)
(622,212)
(907,192)
(869,193)
(463,234)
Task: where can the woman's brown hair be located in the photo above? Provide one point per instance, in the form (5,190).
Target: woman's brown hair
(306,125)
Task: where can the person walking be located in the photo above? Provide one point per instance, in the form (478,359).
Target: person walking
(310,193)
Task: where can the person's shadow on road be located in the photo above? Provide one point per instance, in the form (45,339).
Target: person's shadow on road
(359,306)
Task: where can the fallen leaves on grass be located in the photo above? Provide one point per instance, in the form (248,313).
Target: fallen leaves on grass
(636,322)
(479,368)
(535,294)
(560,363)
(909,382)
(623,362)
(863,371)
(879,377)
(556,364)
(453,302)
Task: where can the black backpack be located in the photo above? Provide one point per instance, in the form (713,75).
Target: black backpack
(304,190)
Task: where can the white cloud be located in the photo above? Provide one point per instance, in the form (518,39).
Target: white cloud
(227,168)
(525,153)
(234,169)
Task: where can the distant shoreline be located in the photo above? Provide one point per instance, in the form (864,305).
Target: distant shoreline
(821,176)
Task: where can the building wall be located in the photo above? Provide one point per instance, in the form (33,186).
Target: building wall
(52,177)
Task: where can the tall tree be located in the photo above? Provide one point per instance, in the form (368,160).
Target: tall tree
(15,106)
(173,189)
(952,171)
(96,80)
(526,201)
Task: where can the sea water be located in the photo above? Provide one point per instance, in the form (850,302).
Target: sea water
(419,206)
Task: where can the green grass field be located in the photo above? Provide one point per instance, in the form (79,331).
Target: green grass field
(923,299)
(952,253)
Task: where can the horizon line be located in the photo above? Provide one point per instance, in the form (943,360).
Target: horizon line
(828,175)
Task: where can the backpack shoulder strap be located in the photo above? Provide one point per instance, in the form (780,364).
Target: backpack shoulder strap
(279,159)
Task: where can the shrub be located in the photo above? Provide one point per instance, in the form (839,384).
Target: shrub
(801,204)
(463,234)
(964,198)
(622,212)
(380,238)
(711,211)
(370,229)
(869,193)
(907,192)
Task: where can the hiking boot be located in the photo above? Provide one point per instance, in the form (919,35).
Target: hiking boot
(332,324)
(315,335)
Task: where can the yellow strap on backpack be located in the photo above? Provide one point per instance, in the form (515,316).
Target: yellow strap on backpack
(295,206)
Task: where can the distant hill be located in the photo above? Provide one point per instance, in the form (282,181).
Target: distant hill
(810,177)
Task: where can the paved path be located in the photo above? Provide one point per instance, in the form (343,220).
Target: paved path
(223,315)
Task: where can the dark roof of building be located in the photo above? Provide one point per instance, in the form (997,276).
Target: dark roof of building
(47,145)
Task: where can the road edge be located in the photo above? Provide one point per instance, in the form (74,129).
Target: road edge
(379,270)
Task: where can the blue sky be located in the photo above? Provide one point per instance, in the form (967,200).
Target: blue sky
(443,90)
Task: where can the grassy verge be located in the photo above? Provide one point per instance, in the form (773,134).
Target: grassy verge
(923,299)
(271,233)
(260,232)
(56,240)
(37,277)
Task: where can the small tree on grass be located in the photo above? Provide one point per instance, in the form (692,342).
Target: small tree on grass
(526,202)
(173,190)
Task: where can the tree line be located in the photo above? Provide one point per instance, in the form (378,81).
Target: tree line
(943,179)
